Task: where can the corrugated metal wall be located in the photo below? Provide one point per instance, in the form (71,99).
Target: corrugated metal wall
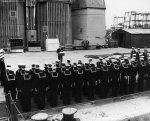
(53,18)
(140,41)
(11,21)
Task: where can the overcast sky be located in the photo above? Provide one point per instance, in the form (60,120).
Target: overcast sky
(119,7)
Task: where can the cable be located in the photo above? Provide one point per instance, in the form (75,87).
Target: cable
(9,112)
(19,111)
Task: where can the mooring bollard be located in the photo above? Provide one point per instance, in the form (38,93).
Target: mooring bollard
(68,114)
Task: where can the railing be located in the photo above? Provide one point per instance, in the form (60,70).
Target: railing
(12,109)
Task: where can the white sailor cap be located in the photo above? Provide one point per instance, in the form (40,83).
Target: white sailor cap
(134,54)
(141,59)
(122,61)
(79,65)
(107,59)
(114,60)
(100,58)
(125,57)
(104,61)
(1,55)
(2,51)
(141,54)
(134,57)
(132,60)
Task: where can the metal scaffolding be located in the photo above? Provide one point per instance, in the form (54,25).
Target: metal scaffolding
(132,19)
(137,20)
(118,22)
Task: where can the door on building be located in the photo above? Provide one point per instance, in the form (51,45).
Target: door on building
(120,41)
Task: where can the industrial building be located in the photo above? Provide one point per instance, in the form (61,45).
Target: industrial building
(128,38)
(88,21)
(27,23)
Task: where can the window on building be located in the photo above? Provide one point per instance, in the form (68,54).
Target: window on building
(13,13)
(45,28)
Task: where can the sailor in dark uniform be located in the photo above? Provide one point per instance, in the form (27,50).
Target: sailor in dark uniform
(67,85)
(148,66)
(41,89)
(115,78)
(11,82)
(18,80)
(79,82)
(110,68)
(125,71)
(132,81)
(49,79)
(26,92)
(31,71)
(86,79)
(138,55)
(2,70)
(100,62)
(133,52)
(104,81)
(142,69)
(99,65)
(21,87)
(74,79)
(59,50)
(145,54)
(92,82)
(54,88)
(61,78)
(35,77)
(69,63)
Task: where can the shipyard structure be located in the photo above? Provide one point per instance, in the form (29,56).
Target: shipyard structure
(27,23)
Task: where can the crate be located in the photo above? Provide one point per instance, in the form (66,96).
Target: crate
(34,46)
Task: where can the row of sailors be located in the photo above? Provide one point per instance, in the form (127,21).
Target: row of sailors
(119,76)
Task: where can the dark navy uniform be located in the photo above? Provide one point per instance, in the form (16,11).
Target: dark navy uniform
(74,79)
(132,52)
(60,57)
(86,80)
(67,86)
(92,82)
(11,83)
(141,71)
(99,76)
(31,71)
(125,72)
(133,74)
(115,79)
(54,88)
(25,99)
(48,72)
(3,74)
(78,84)
(35,77)
(41,89)
(104,80)
(148,66)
